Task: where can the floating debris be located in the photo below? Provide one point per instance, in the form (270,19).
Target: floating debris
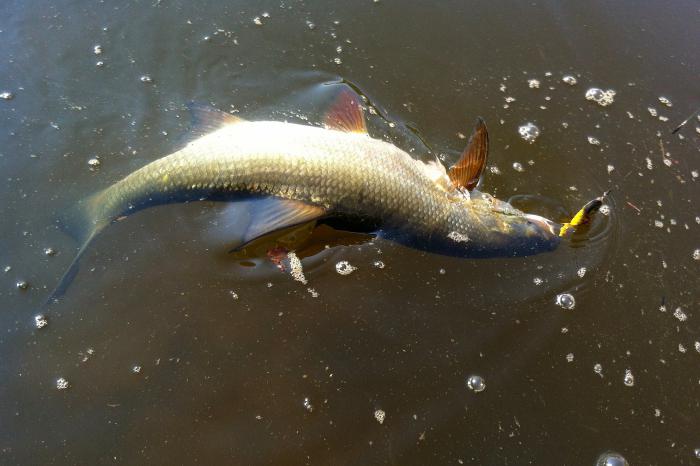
(380,415)
(601,97)
(94,163)
(7,95)
(652,111)
(518,167)
(257,21)
(40,321)
(570,80)
(146,79)
(581,272)
(537,281)
(379,264)
(344,268)
(99,63)
(476,383)
(533,83)
(696,254)
(97,49)
(529,132)
(570,357)
(49,252)
(611,458)
(136,369)
(565,301)
(7,269)
(629,378)
(610,168)
(593,141)
(62,384)
(604,209)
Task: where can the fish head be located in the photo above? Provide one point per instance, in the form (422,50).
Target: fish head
(489,227)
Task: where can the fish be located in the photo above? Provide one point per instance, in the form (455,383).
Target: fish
(303,173)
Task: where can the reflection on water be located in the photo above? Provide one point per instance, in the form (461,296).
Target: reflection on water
(169,349)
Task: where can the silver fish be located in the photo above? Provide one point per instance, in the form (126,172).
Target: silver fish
(311,173)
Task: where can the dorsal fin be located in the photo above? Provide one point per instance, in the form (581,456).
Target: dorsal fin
(207,119)
(467,171)
(346,114)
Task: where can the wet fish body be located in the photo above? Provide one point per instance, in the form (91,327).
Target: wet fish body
(319,173)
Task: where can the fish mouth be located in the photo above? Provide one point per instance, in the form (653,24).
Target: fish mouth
(544,224)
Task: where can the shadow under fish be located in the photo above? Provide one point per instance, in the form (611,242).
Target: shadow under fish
(301,176)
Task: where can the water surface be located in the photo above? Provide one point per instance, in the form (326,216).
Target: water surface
(174,352)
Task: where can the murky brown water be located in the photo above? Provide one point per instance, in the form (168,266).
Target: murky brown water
(174,353)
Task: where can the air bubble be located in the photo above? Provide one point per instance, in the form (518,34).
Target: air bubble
(518,167)
(696,254)
(629,378)
(611,458)
(570,80)
(665,101)
(529,132)
(565,301)
(598,369)
(146,79)
(380,415)
(307,405)
(601,97)
(22,285)
(40,321)
(680,315)
(344,268)
(379,264)
(476,383)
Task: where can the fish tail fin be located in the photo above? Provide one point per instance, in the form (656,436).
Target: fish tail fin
(82,222)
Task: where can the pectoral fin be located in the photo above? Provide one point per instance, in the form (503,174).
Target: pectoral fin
(346,114)
(274,214)
(467,171)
